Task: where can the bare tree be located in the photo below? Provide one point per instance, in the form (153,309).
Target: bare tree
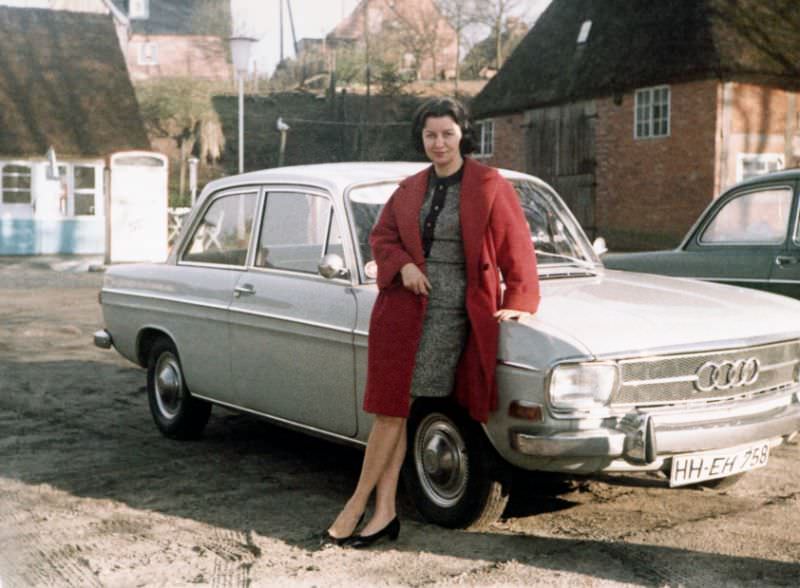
(460,15)
(419,31)
(494,13)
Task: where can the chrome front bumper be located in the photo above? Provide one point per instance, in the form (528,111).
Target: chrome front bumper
(102,339)
(641,438)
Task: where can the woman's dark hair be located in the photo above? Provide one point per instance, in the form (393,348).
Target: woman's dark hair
(437,107)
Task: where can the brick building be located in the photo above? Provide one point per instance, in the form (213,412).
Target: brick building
(174,38)
(640,112)
(413,35)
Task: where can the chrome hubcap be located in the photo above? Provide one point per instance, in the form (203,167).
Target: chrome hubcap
(440,456)
(168,385)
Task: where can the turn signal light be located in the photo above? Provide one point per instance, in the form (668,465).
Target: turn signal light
(523,409)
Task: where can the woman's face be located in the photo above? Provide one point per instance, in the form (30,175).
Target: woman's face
(441,137)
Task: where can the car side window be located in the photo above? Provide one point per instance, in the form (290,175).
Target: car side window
(294,232)
(223,234)
(754,217)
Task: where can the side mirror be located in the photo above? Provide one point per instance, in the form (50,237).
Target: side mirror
(332,266)
(599,246)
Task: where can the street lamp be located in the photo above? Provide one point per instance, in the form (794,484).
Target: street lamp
(240,51)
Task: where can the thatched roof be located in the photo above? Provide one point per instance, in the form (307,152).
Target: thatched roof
(63,82)
(182,17)
(635,43)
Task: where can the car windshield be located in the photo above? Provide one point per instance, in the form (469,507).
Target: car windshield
(557,237)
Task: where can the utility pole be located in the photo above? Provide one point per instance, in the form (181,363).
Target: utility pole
(280,35)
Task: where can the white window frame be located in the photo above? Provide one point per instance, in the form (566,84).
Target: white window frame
(139,9)
(484,138)
(76,191)
(644,118)
(3,165)
(148,53)
(769,161)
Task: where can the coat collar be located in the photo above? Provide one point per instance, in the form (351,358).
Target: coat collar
(476,202)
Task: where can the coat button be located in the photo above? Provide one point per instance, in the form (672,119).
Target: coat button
(485,267)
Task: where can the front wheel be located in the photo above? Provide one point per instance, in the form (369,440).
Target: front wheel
(176,413)
(452,473)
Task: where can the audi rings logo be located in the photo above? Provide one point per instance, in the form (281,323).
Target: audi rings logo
(726,375)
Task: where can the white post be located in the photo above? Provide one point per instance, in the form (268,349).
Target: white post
(240,51)
(241,123)
(193,161)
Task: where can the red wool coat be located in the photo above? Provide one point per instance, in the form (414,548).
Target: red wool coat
(495,236)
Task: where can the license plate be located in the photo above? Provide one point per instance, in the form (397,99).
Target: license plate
(692,468)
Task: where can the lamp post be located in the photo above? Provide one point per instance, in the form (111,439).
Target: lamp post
(240,51)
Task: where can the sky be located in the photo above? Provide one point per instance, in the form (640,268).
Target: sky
(260,19)
(312,18)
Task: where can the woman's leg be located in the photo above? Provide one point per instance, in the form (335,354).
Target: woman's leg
(381,449)
(386,490)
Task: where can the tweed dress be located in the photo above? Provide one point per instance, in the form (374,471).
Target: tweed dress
(446,324)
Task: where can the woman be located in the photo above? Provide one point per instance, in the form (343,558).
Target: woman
(438,245)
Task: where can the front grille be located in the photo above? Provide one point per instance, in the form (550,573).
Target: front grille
(670,379)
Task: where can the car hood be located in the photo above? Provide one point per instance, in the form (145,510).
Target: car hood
(619,314)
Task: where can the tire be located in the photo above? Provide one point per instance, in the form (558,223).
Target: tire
(176,413)
(451,472)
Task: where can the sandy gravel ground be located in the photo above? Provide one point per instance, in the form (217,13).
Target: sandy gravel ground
(92,495)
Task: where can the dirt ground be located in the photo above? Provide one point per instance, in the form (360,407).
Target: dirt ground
(92,495)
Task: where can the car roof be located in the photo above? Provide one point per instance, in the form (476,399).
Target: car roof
(790,174)
(335,177)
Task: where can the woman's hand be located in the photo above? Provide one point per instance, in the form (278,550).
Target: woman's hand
(509,314)
(414,279)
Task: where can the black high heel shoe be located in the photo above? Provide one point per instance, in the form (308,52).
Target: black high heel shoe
(392,530)
(328,539)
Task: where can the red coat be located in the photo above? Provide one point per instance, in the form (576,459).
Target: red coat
(496,236)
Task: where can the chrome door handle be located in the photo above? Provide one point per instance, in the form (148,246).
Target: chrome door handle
(783,260)
(244,290)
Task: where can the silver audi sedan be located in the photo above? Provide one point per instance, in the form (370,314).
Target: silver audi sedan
(263,306)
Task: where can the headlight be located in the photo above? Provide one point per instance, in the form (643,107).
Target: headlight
(582,386)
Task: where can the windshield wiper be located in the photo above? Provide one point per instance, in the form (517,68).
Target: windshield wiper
(575,260)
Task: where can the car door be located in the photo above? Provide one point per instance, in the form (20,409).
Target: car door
(739,239)
(199,289)
(785,273)
(292,329)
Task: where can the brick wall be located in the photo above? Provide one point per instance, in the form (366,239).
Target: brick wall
(758,120)
(650,191)
(180,56)
(509,143)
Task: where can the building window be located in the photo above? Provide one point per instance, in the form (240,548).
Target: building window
(484,137)
(755,164)
(148,53)
(652,112)
(583,34)
(84,194)
(139,9)
(16,184)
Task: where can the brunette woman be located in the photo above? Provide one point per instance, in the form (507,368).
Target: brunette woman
(438,244)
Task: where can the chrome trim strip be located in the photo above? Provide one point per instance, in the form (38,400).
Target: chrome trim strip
(298,275)
(777,366)
(207,265)
(522,366)
(654,381)
(291,320)
(162,297)
(362,333)
(287,423)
